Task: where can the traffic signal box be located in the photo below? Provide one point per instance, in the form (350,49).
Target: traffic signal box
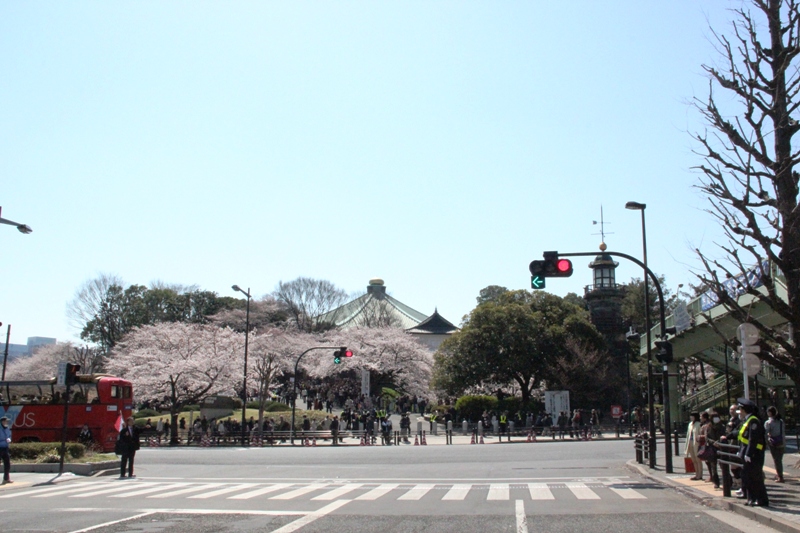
(72,374)
(664,352)
(340,353)
(551,267)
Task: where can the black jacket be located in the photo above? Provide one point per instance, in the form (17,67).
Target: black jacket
(129,439)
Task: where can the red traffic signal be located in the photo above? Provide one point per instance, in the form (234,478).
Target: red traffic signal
(347,353)
(564,267)
(556,267)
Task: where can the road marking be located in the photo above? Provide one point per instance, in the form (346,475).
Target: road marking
(259,492)
(106,524)
(116,488)
(628,493)
(540,491)
(522,520)
(377,492)
(498,491)
(44,493)
(582,492)
(148,490)
(220,492)
(338,493)
(417,492)
(299,492)
(187,490)
(457,492)
(304,521)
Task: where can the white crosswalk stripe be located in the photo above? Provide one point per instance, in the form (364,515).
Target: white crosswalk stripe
(584,490)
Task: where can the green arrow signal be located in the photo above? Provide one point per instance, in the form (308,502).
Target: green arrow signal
(537,282)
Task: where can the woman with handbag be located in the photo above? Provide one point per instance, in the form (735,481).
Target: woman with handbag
(693,443)
(776,438)
(713,430)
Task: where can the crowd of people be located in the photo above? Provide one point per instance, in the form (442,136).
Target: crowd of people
(706,431)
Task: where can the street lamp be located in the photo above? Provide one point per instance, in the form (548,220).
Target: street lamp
(23,228)
(651,427)
(244,378)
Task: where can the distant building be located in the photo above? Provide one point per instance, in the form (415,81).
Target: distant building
(23,350)
(377,309)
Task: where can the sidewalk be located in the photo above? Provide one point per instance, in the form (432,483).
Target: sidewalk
(783,513)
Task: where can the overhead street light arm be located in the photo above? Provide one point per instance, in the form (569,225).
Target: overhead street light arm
(23,228)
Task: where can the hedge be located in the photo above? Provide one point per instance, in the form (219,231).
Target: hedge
(30,451)
(472,407)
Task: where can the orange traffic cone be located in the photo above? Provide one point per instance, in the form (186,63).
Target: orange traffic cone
(482,440)
(314,442)
(472,440)
(424,442)
(363,441)
(529,437)
(416,440)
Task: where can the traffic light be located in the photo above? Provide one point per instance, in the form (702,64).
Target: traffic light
(555,267)
(72,374)
(341,352)
(664,353)
(537,274)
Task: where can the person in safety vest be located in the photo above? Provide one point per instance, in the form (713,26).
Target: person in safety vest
(752,445)
(503,422)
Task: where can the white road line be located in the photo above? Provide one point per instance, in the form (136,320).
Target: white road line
(116,488)
(55,491)
(522,520)
(261,491)
(417,492)
(582,492)
(498,491)
(304,521)
(187,490)
(540,491)
(220,492)
(628,493)
(106,524)
(299,492)
(338,493)
(377,492)
(148,490)
(457,492)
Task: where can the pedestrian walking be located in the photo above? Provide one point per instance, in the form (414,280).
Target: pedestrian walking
(693,443)
(5,443)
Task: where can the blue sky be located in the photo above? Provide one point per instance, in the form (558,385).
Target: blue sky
(441,146)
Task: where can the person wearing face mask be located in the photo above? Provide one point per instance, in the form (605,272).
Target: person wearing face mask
(692,443)
(5,442)
(714,431)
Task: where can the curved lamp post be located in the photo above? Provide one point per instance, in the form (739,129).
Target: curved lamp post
(23,228)
(244,377)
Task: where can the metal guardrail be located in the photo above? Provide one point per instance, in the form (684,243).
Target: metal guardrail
(728,458)
(641,444)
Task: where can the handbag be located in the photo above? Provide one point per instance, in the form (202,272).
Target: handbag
(707,453)
(119,447)
(689,465)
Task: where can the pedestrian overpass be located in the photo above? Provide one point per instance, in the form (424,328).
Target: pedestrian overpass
(700,340)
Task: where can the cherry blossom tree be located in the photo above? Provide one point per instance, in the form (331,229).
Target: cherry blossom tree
(178,363)
(389,352)
(43,363)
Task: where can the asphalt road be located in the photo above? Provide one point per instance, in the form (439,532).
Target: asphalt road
(563,486)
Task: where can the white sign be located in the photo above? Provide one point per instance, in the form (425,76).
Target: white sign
(556,401)
(748,336)
(61,377)
(682,318)
(365,382)
(751,364)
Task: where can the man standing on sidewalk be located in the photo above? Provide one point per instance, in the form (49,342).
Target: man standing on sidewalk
(752,441)
(5,442)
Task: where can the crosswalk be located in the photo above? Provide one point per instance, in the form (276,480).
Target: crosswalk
(586,490)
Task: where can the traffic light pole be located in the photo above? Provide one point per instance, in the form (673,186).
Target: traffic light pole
(294,383)
(663,327)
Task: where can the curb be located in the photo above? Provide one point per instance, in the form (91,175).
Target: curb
(80,469)
(719,502)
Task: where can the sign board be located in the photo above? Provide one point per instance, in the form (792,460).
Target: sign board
(616,411)
(556,401)
(747,333)
(61,377)
(365,382)
(753,364)
(682,318)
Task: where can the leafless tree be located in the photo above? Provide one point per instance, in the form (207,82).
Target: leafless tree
(88,299)
(306,300)
(378,314)
(748,173)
